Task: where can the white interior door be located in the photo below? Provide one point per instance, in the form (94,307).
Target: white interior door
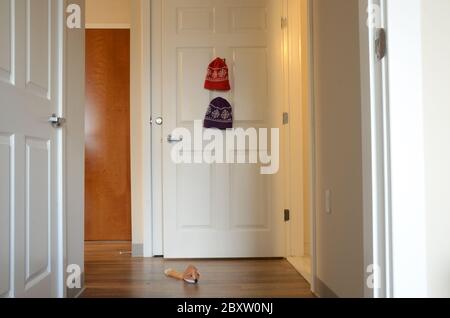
(221,210)
(29,147)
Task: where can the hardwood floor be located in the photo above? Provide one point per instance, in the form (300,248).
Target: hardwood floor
(110,274)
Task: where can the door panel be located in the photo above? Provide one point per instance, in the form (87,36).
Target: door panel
(249,198)
(108,170)
(244,19)
(38,33)
(250,88)
(196,202)
(5,214)
(37,216)
(191,100)
(5,40)
(29,146)
(220,210)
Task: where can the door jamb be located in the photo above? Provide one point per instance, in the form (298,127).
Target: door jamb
(146,91)
(376,158)
(295,240)
(311,183)
(152,101)
(313,194)
(62,158)
(71,225)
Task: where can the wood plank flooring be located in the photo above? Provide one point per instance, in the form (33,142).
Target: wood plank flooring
(110,274)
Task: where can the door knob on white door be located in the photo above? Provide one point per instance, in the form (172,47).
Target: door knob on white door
(159,121)
(56,121)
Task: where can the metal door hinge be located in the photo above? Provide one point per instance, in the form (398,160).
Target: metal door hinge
(285,118)
(284,22)
(380,43)
(287,215)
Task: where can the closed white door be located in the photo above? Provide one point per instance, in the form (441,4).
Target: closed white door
(220,210)
(29,146)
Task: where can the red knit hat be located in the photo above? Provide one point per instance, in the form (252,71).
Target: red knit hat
(217,77)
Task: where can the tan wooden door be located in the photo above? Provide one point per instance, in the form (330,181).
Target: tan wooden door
(108,185)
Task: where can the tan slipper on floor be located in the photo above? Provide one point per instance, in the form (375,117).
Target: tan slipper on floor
(190,275)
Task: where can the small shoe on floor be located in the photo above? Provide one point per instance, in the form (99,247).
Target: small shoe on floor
(190,275)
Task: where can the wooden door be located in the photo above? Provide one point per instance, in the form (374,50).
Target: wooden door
(30,148)
(220,210)
(108,185)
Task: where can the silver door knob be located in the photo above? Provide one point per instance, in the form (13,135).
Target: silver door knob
(171,139)
(159,121)
(56,121)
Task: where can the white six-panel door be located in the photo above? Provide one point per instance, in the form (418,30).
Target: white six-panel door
(220,210)
(29,95)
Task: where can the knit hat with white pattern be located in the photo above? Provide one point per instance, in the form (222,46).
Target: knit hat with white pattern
(219,115)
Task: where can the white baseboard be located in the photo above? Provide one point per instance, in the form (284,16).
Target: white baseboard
(138,250)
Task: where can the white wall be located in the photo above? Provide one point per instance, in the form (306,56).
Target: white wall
(419,80)
(407,148)
(101,13)
(436,107)
(339,236)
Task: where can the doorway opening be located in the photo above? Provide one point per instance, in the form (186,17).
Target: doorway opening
(245,218)
(299,137)
(108,124)
(224,213)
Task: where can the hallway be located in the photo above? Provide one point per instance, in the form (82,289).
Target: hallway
(110,274)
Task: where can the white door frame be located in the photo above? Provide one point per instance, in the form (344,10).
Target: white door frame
(376,153)
(310,151)
(393,167)
(152,99)
(313,149)
(152,43)
(72,197)
(294,89)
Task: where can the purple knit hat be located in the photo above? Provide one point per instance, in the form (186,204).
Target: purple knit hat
(219,115)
